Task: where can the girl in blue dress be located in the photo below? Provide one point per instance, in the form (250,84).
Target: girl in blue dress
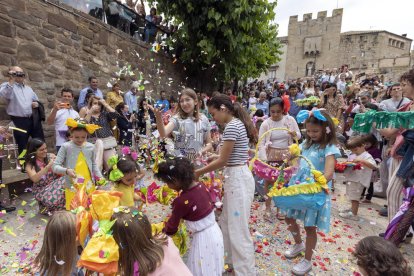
(319,147)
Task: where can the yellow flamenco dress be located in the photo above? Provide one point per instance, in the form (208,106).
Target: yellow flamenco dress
(83,178)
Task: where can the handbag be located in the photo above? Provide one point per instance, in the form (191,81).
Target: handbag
(109,142)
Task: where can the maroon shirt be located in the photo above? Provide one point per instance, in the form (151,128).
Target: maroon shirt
(192,204)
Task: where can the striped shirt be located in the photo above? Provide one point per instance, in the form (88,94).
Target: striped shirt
(236,131)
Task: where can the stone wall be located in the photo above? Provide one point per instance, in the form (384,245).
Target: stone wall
(58,47)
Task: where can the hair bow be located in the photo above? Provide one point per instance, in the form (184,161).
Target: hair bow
(128,151)
(90,128)
(115,173)
(305,114)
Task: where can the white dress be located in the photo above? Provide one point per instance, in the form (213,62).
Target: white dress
(206,254)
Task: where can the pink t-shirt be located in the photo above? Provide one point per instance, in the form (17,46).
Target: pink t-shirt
(172,264)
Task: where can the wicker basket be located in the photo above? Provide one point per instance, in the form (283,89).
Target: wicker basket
(266,171)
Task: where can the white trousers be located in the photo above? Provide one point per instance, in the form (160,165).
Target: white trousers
(102,156)
(234,220)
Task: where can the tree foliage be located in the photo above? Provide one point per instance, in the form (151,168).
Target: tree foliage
(234,38)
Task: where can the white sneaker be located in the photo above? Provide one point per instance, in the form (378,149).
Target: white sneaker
(349,215)
(295,250)
(302,267)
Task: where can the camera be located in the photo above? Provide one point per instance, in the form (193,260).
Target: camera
(65,105)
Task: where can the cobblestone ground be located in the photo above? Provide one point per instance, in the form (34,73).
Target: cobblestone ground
(21,237)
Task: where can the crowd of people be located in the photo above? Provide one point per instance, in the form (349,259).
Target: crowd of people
(201,135)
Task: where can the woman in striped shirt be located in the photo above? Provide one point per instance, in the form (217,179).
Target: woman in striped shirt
(238,183)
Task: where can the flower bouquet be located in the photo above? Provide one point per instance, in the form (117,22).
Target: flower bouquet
(340,167)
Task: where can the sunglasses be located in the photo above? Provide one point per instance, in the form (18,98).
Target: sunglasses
(18,74)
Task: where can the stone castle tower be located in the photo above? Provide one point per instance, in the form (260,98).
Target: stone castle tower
(313,43)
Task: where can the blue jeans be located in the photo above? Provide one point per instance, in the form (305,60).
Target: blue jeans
(150,33)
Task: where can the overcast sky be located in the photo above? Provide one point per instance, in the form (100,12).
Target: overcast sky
(395,16)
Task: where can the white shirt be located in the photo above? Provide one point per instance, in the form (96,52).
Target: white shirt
(341,85)
(391,105)
(362,176)
(279,138)
(60,128)
(252,103)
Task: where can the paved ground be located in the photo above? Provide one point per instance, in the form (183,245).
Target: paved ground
(21,234)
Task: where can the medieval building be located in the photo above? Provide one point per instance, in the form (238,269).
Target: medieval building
(318,44)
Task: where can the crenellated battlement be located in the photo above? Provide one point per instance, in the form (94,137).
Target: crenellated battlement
(307,17)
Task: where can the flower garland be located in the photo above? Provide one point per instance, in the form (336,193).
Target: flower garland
(383,119)
(319,185)
(307,101)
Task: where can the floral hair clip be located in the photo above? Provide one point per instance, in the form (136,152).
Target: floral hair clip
(128,151)
(303,115)
(115,173)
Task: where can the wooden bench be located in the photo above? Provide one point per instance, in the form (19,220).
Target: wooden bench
(16,182)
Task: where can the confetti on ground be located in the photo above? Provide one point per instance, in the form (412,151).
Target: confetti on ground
(21,237)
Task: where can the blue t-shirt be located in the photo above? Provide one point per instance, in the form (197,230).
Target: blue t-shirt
(164,103)
(294,108)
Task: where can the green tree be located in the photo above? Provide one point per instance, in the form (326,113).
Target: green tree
(235,39)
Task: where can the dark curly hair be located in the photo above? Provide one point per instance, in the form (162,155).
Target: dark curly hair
(126,165)
(379,257)
(408,76)
(177,170)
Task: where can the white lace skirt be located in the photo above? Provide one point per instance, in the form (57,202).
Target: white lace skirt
(206,254)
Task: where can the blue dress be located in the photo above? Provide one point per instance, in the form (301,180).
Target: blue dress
(321,218)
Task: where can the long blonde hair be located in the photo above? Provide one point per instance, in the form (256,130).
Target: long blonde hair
(59,244)
(132,232)
(192,94)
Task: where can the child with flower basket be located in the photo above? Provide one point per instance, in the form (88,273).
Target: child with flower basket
(306,199)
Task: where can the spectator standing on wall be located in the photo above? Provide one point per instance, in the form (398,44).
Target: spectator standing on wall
(93,85)
(151,27)
(21,103)
(162,104)
(61,111)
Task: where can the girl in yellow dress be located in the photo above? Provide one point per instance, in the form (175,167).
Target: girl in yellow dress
(76,159)
(124,174)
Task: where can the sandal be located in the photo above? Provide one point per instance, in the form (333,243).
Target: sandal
(268,216)
(280,216)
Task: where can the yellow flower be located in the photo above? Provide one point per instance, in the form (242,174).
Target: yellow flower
(335,121)
(294,150)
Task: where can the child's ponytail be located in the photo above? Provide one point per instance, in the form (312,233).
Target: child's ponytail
(238,111)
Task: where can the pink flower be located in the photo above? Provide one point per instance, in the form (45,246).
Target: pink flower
(134,155)
(126,151)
